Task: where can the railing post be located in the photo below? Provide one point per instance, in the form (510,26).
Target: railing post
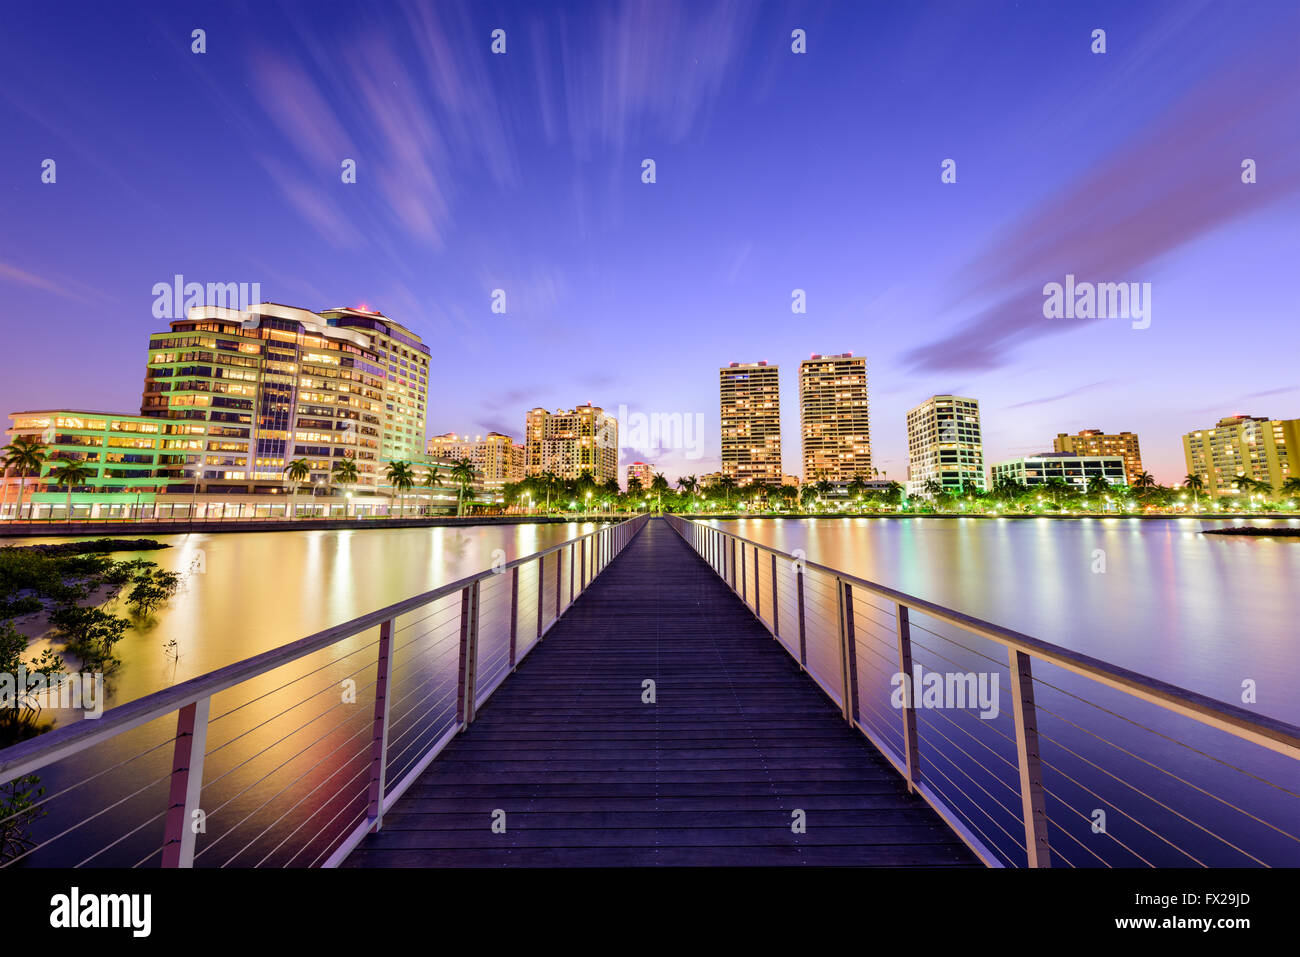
(467,677)
(379,730)
(583,561)
(803,638)
(1031,770)
(848,651)
(911,749)
(541,599)
(186,784)
(733,566)
(743,582)
(776,608)
(572,572)
(514,613)
(559,579)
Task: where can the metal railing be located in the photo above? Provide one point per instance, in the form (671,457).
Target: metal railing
(291,757)
(1034,754)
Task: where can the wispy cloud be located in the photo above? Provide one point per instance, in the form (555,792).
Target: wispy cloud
(63,287)
(1062,395)
(1172,183)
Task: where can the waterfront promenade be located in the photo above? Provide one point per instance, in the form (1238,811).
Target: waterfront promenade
(738,749)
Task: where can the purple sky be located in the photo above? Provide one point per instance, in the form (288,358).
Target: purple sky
(775,171)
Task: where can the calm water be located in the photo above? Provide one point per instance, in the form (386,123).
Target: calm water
(287,767)
(246,593)
(1205,612)
(1200,611)
(287,763)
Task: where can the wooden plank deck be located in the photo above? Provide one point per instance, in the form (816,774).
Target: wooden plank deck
(710,774)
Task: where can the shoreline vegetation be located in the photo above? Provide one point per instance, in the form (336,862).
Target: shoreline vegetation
(98,546)
(61,594)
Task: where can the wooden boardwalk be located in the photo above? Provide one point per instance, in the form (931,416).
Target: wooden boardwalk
(588,775)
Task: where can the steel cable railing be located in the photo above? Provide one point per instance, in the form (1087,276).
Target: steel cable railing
(1062,759)
(302,779)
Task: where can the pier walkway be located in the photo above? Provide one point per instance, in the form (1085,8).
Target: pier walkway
(739,760)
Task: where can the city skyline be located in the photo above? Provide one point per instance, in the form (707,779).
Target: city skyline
(523,172)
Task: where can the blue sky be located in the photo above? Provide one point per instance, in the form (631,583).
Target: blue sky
(775,171)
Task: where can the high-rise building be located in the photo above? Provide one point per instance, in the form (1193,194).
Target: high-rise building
(405,359)
(497,456)
(1095,442)
(833,418)
(266,386)
(572,441)
(750,400)
(944,445)
(1244,447)
(1071,468)
(643,472)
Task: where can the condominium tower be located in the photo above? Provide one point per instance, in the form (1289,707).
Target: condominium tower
(1244,447)
(833,418)
(497,456)
(944,445)
(1094,442)
(405,360)
(265,387)
(750,400)
(570,442)
(643,472)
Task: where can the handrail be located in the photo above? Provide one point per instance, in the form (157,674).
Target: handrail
(587,556)
(1279,736)
(35,753)
(726,554)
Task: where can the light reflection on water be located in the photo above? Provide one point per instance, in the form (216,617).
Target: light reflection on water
(287,754)
(1203,612)
(1200,611)
(251,592)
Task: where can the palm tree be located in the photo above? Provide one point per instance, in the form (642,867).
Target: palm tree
(824,488)
(1291,486)
(26,454)
(1056,488)
(549,480)
(690,485)
(857,488)
(727,486)
(1144,481)
(463,473)
(297,472)
(1196,486)
(932,488)
(1097,487)
(806,495)
(344,472)
(432,480)
(401,477)
(894,492)
(1255,487)
(71,474)
(659,485)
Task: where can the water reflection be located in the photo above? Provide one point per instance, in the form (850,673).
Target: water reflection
(246,593)
(1202,611)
